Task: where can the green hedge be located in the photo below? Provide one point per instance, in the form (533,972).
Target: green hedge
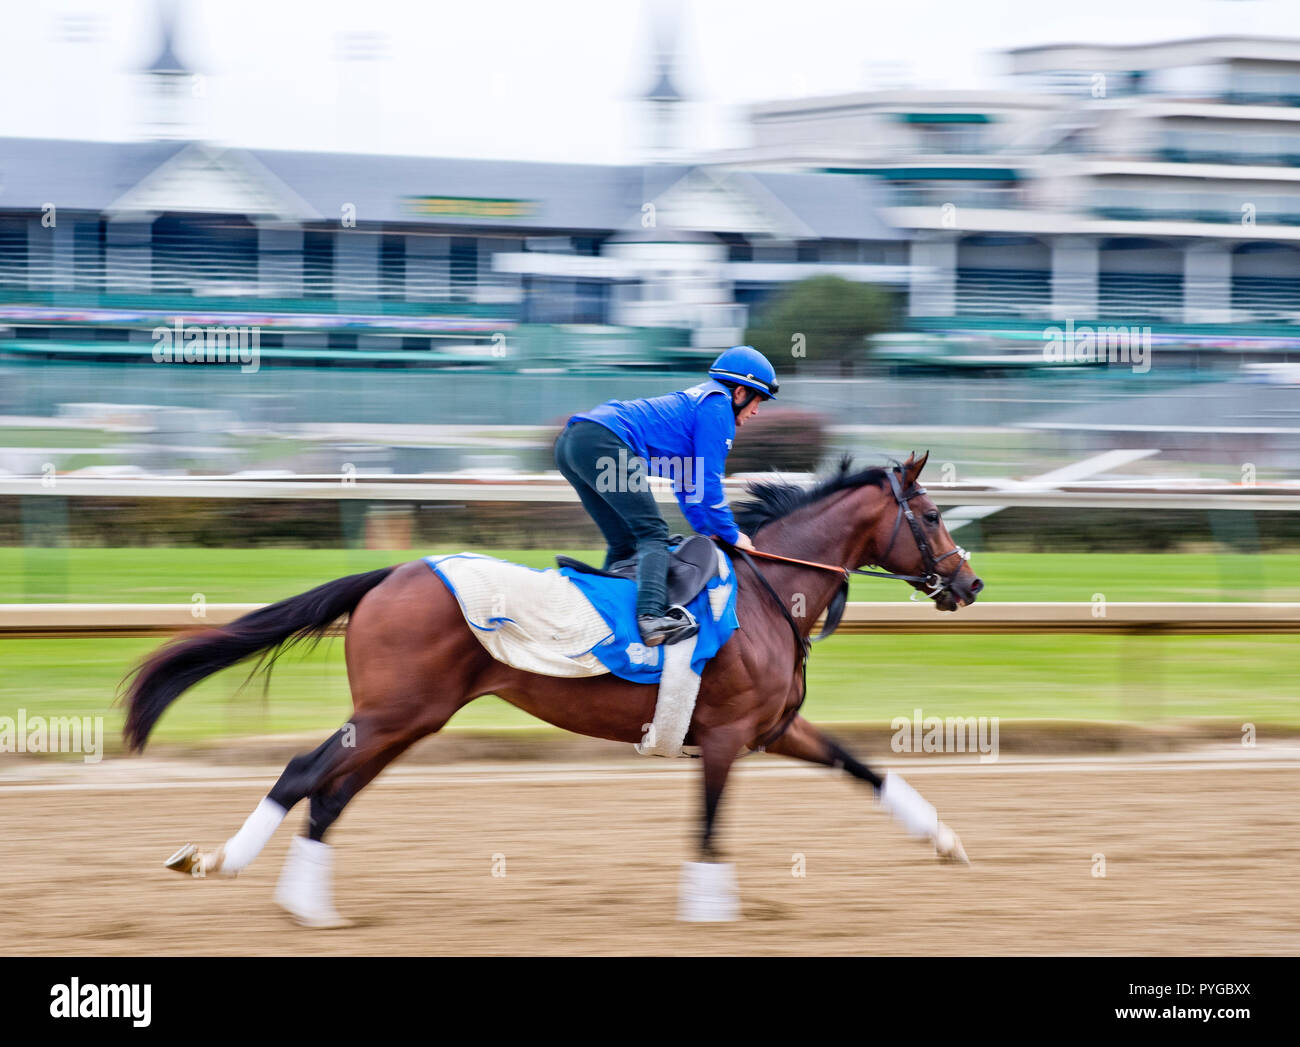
(316,523)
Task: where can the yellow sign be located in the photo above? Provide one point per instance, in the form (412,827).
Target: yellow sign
(470,207)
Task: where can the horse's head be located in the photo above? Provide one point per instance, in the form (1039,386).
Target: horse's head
(859,517)
(908,537)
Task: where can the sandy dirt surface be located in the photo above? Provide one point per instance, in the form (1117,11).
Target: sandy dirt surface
(1200,858)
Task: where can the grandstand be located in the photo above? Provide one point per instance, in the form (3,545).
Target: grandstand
(1150,185)
(348,259)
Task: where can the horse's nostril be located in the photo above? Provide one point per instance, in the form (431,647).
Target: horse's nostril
(976,586)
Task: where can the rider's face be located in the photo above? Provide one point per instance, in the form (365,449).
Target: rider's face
(747,412)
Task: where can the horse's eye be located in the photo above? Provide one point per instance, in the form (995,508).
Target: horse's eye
(932,517)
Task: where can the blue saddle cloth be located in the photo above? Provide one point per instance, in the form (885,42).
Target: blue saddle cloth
(624,654)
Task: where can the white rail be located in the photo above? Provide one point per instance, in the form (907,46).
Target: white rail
(109,620)
(548,488)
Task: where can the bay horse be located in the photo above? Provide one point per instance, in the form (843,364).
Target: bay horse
(412,662)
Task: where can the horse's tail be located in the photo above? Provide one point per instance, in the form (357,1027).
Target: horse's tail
(179,665)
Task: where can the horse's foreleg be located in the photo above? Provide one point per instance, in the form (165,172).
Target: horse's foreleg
(803,741)
(708,887)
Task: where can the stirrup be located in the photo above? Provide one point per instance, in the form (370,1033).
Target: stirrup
(676,624)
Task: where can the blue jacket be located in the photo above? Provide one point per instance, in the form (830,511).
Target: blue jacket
(686,437)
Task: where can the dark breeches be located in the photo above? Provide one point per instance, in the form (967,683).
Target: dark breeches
(610,480)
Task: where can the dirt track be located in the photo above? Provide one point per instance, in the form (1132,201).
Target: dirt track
(1198,861)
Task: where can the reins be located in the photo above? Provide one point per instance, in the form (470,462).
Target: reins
(931,579)
(801,643)
(934,582)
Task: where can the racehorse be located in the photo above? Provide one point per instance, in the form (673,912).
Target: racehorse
(412,662)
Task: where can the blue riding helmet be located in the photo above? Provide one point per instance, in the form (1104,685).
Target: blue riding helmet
(745,365)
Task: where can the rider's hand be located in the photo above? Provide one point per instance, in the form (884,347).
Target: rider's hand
(743,542)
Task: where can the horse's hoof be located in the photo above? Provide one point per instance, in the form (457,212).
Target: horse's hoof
(948,848)
(190,861)
(184,860)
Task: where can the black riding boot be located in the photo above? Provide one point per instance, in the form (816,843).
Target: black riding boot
(676,623)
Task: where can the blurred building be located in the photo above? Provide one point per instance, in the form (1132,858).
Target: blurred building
(353,252)
(1153,183)
(1143,185)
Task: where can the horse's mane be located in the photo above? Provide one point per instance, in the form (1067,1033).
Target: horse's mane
(770,500)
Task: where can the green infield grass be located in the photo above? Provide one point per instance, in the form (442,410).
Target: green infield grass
(852,679)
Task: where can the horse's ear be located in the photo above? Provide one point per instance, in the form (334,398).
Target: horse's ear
(912,468)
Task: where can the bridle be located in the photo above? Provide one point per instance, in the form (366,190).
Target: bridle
(932,579)
(935,583)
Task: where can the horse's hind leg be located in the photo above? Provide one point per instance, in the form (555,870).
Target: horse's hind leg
(302,775)
(328,801)
(305,889)
(384,729)
(803,741)
(411,660)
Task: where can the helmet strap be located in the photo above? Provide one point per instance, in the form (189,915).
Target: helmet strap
(749,397)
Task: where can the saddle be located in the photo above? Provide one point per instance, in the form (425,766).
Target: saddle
(691,566)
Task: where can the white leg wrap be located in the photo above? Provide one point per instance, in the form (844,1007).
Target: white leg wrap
(909,807)
(707,893)
(255,833)
(306,889)
(679,686)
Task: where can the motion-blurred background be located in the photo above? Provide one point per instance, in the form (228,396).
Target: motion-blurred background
(259,266)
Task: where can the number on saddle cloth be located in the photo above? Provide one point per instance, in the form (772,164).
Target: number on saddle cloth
(691,566)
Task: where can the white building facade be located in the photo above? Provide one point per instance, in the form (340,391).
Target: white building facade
(1156,183)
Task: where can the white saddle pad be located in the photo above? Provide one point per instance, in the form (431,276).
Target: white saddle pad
(538,621)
